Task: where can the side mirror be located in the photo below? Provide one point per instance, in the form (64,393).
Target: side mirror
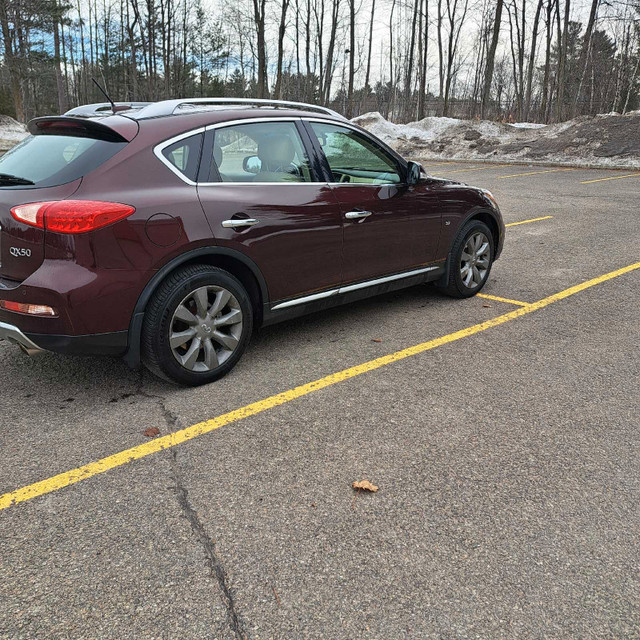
(251,164)
(414,172)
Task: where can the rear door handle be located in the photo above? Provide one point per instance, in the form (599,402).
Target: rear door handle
(239,222)
(354,215)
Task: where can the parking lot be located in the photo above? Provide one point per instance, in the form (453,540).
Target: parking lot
(502,432)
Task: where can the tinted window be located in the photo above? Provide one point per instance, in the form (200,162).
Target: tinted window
(49,160)
(354,158)
(184,155)
(260,152)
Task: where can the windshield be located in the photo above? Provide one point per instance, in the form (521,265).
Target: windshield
(48,160)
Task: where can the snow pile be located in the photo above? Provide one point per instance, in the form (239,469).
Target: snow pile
(608,140)
(11,132)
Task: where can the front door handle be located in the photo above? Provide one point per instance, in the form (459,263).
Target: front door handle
(355,215)
(239,222)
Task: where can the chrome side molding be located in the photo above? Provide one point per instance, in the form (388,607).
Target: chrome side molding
(351,287)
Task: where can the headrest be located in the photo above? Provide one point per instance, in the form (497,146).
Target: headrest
(276,152)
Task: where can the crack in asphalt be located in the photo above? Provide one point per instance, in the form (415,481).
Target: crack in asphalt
(215,566)
(216,569)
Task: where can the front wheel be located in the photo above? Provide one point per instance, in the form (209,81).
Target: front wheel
(471,260)
(197,325)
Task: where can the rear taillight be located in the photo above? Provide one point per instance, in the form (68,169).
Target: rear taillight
(71,216)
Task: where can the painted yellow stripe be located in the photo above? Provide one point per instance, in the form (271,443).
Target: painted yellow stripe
(184,435)
(515,224)
(534,173)
(439,164)
(629,175)
(486,296)
(485,168)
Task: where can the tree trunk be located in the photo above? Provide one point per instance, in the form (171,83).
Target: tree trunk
(281,29)
(352,56)
(532,61)
(562,63)
(366,79)
(63,104)
(11,61)
(259,15)
(584,52)
(491,58)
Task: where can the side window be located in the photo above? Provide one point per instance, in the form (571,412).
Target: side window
(259,152)
(184,155)
(353,158)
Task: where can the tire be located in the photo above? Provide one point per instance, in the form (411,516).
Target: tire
(196,326)
(468,276)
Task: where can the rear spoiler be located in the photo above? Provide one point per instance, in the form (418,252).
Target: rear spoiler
(112,129)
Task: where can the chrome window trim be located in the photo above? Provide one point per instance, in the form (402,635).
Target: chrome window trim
(157,150)
(352,287)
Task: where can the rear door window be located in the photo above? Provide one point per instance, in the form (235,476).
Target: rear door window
(52,160)
(259,152)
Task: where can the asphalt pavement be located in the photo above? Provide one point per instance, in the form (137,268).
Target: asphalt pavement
(506,456)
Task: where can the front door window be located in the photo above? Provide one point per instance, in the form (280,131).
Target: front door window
(353,158)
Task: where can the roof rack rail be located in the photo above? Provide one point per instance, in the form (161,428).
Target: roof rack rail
(169,107)
(104,108)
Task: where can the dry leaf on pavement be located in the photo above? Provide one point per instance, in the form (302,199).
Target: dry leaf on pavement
(365,485)
(151,432)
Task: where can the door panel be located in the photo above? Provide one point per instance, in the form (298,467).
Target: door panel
(380,243)
(297,242)
(264,176)
(403,227)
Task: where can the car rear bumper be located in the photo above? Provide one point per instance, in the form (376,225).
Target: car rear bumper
(110,344)
(12,334)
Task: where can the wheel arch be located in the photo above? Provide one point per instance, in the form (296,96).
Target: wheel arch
(483,215)
(490,220)
(236,263)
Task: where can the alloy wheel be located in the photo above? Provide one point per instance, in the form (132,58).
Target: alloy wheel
(205,328)
(475,260)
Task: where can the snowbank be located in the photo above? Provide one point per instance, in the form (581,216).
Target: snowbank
(11,132)
(608,140)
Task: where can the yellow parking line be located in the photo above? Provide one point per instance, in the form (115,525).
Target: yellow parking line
(184,435)
(629,175)
(515,224)
(485,168)
(439,164)
(499,299)
(534,173)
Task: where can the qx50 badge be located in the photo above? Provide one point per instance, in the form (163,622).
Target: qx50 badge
(20,253)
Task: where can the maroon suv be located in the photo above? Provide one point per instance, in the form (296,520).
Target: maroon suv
(165,232)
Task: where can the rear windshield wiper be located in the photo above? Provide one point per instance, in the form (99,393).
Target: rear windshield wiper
(8,179)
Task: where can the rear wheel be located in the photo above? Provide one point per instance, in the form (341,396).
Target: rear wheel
(471,260)
(197,325)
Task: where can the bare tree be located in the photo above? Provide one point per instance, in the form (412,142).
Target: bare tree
(259,17)
(284,6)
(491,59)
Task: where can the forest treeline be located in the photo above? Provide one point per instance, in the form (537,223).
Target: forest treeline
(514,60)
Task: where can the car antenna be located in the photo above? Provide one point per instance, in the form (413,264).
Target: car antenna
(114,108)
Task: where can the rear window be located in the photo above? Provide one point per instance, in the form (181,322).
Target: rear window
(51,160)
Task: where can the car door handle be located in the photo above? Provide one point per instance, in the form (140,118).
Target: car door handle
(354,215)
(239,222)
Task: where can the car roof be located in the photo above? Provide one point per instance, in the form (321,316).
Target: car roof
(174,117)
(183,106)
